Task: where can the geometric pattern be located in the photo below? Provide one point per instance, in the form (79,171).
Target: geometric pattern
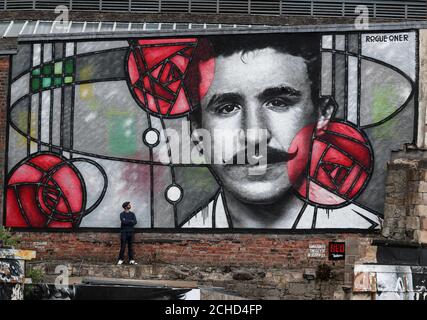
(48,191)
(45,191)
(52,75)
(337,166)
(157,69)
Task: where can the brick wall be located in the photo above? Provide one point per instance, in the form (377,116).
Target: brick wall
(261,250)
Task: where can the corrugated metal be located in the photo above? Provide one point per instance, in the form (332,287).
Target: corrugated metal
(415,9)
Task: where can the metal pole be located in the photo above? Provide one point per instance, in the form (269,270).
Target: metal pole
(8,28)
(22,30)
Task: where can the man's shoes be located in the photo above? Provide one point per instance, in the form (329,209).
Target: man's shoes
(120,262)
(133,262)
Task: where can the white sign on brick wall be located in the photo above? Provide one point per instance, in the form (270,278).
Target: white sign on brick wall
(316,250)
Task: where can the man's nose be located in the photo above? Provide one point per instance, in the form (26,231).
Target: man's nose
(255,127)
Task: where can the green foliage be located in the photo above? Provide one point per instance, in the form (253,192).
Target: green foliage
(36,275)
(8,239)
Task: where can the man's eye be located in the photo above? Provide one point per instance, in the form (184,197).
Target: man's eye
(277,103)
(228,108)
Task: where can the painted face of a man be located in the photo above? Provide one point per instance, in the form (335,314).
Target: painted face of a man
(261,90)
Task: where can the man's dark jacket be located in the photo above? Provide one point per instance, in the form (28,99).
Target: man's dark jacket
(128,220)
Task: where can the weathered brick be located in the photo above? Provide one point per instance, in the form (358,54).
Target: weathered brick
(416,198)
(413,223)
(422,187)
(370,255)
(386,231)
(389,209)
(401,223)
(421,236)
(390,189)
(421,210)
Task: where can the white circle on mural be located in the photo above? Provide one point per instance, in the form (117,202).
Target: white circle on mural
(173,193)
(151,137)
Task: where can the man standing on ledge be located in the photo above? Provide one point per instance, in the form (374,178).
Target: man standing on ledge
(128,221)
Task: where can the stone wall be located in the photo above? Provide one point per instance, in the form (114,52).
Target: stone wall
(253,266)
(405,212)
(422,115)
(246,282)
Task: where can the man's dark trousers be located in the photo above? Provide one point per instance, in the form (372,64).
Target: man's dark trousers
(126,237)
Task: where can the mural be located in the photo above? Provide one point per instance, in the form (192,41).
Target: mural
(255,131)
(391,282)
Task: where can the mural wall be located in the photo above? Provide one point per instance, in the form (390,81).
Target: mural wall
(256,131)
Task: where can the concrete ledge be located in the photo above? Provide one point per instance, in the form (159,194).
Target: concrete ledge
(143,283)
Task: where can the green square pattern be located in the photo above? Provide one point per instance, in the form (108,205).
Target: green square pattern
(69,67)
(68,79)
(36,72)
(57,81)
(58,68)
(35,84)
(46,83)
(47,70)
(52,74)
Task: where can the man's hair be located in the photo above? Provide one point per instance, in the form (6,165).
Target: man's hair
(125,204)
(305,45)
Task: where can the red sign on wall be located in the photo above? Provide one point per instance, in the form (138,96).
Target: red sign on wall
(336,250)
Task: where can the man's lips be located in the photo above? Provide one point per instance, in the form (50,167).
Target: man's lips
(273,156)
